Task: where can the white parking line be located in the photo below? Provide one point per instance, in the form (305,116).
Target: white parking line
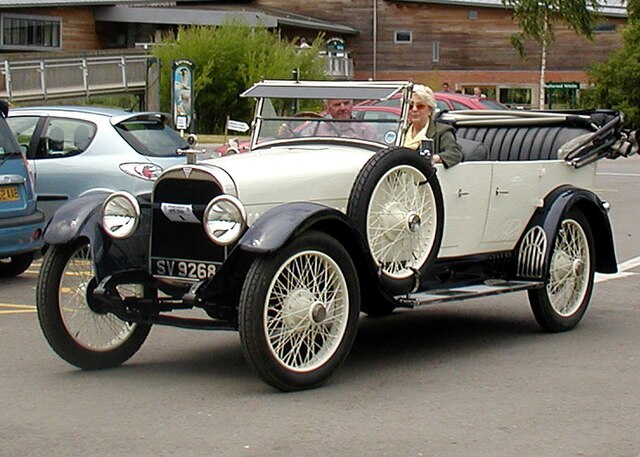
(622,270)
(631,175)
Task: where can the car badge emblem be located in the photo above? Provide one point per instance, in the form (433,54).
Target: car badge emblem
(187,171)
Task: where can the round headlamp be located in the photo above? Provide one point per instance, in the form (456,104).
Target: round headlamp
(224,220)
(120,215)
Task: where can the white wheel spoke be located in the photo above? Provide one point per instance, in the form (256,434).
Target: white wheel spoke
(570,268)
(309,282)
(401,193)
(98,332)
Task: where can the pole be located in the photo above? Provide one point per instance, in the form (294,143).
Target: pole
(375,37)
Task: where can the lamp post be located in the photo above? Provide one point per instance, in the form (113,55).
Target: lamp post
(375,37)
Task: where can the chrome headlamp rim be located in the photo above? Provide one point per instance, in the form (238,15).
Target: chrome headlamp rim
(237,231)
(134,206)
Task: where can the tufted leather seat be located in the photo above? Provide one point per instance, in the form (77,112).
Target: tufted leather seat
(522,142)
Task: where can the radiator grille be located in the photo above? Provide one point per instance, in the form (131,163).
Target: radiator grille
(183,240)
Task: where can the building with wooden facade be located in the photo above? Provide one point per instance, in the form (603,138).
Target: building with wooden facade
(463,42)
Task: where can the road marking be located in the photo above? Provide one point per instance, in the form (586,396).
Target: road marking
(16,309)
(630,175)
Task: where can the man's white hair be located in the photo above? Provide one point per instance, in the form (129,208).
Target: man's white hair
(425,94)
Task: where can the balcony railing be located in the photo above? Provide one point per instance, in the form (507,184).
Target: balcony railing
(63,77)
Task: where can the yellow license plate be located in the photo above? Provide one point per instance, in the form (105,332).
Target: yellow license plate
(9,194)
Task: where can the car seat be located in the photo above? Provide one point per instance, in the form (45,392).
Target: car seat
(56,140)
(81,137)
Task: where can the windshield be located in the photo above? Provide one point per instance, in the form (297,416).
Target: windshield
(151,137)
(328,110)
(281,119)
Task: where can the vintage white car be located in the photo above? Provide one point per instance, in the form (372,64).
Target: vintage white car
(289,243)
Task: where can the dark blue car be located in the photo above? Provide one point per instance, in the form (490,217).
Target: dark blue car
(20,221)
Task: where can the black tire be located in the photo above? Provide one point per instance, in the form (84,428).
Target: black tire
(306,292)
(15,265)
(562,302)
(100,340)
(377,208)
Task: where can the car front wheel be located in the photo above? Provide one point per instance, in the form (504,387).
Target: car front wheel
(83,336)
(299,309)
(561,303)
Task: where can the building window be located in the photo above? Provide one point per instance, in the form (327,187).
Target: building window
(604,27)
(29,32)
(435,51)
(473,15)
(402,37)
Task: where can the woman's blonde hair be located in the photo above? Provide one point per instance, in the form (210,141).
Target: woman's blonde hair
(425,94)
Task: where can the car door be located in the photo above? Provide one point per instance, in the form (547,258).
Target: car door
(53,145)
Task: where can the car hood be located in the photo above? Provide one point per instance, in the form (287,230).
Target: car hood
(314,173)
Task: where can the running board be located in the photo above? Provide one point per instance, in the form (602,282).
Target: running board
(488,287)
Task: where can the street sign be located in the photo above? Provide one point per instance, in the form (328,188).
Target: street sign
(237,126)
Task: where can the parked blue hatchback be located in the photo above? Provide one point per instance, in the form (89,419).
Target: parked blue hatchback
(20,221)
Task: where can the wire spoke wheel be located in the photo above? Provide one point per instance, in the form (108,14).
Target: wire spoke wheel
(397,206)
(563,301)
(91,330)
(84,336)
(401,223)
(569,273)
(306,311)
(299,311)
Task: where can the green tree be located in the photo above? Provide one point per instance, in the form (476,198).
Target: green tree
(537,20)
(227,60)
(615,82)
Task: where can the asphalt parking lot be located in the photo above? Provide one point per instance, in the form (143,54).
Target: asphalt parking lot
(475,378)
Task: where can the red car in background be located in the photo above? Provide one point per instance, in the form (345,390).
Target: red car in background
(446,101)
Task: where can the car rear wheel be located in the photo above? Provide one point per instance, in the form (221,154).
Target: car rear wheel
(299,309)
(82,336)
(562,302)
(396,204)
(15,265)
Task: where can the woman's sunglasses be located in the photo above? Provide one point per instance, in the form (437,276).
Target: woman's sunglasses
(418,106)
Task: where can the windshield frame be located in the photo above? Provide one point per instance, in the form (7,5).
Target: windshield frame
(301,93)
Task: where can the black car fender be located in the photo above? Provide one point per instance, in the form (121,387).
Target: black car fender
(80,218)
(76,218)
(280,224)
(272,231)
(557,204)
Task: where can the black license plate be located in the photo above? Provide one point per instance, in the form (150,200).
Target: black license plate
(189,270)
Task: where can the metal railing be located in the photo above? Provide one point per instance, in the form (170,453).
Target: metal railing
(64,77)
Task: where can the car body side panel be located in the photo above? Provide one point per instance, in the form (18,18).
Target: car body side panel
(465,191)
(517,190)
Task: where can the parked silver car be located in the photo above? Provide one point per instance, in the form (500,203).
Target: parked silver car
(74,150)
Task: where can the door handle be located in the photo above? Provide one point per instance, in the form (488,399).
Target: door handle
(501,191)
